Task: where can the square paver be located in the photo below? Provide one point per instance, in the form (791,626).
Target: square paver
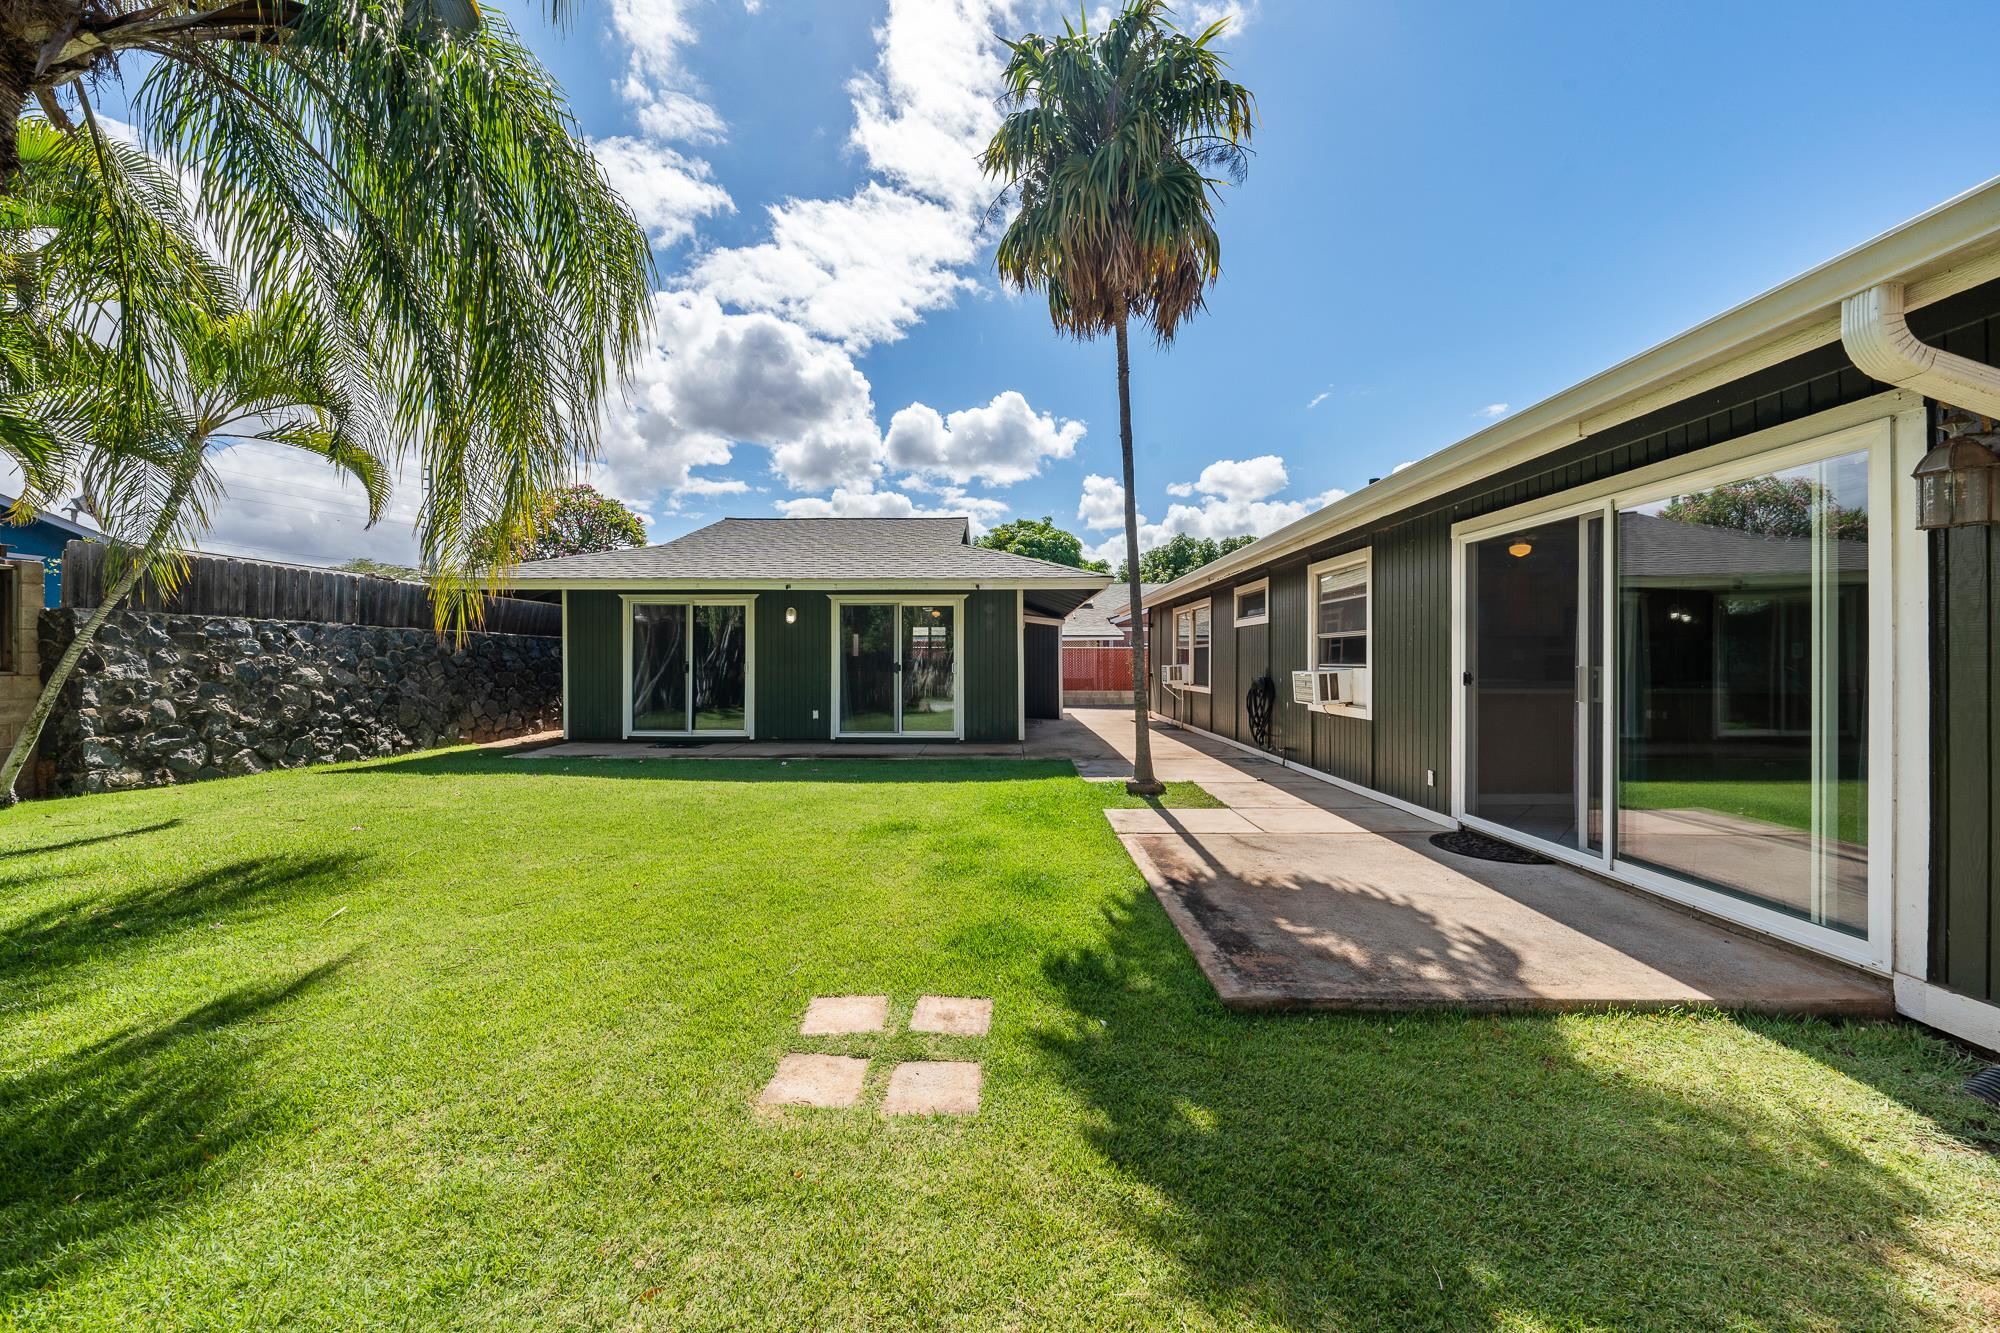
(934,1087)
(816,1080)
(958,1016)
(830,1015)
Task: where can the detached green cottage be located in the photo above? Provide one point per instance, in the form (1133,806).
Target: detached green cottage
(811,629)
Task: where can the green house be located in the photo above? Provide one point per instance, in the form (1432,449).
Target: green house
(811,629)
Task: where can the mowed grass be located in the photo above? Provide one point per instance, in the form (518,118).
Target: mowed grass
(466,1041)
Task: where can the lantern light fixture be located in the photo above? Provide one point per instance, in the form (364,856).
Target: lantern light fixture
(1958,485)
(791,615)
(1520,550)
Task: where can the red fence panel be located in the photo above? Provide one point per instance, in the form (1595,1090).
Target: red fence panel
(1096,667)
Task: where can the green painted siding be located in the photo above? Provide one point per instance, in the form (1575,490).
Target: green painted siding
(1044,657)
(1965,762)
(794,667)
(593,639)
(1410,731)
(991,646)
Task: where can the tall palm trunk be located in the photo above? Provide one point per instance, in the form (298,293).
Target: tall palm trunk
(1143,782)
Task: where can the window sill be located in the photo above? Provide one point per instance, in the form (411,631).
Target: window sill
(1342,710)
(1190,689)
(1253,620)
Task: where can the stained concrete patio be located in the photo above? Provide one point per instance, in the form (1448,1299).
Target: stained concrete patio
(1304,895)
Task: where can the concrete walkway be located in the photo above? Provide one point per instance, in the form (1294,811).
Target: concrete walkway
(1303,895)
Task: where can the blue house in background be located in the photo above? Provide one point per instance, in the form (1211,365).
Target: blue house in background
(45,537)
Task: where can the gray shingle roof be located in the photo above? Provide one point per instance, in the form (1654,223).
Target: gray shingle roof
(1664,550)
(765,550)
(1093,619)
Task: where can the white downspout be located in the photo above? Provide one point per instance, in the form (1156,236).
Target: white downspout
(1879,341)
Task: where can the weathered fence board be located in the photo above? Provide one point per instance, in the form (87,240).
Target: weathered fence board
(225,586)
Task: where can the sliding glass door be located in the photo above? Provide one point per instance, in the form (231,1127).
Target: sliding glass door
(1673,684)
(1743,680)
(897,668)
(687,667)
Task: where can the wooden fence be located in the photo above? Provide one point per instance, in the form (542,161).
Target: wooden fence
(1095,668)
(261,590)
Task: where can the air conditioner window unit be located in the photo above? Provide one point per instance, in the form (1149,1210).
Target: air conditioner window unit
(1331,688)
(1173,673)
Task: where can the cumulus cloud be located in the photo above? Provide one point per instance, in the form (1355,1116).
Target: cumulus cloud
(857,271)
(864,503)
(1492,411)
(1233,500)
(283,505)
(1103,504)
(666,191)
(1001,443)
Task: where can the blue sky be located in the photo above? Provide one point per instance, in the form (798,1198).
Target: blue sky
(1454,210)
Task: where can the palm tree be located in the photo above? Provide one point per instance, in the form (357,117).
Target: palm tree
(1107,149)
(217,370)
(410,167)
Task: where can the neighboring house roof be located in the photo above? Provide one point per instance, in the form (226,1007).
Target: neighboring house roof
(1937,254)
(1104,616)
(1668,552)
(830,553)
(68,527)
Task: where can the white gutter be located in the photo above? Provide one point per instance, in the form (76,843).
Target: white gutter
(1940,253)
(1879,341)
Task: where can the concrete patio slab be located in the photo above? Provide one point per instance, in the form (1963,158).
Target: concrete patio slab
(815,1080)
(1304,819)
(934,1087)
(1181,821)
(1283,921)
(957,1016)
(1243,791)
(831,1015)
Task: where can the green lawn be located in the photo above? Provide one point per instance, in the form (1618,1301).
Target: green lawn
(460,1040)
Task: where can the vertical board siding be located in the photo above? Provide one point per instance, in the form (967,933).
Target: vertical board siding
(596,673)
(794,667)
(1410,730)
(1965,754)
(1044,657)
(991,647)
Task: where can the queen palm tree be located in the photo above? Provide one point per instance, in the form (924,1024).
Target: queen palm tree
(1106,151)
(410,168)
(217,371)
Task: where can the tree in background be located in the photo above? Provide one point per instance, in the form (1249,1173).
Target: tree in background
(1164,564)
(1041,539)
(1106,152)
(1769,507)
(575,521)
(379,569)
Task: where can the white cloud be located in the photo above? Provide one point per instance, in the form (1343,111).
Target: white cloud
(1408,462)
(1233,501)
(1001,443)
(284,505)
(1241,479)
(1492,411)
(844,502)
(1318,398)
(858,270)
(923,116)
(1103,504)
(665,190)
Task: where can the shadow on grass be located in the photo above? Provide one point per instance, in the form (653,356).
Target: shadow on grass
(42,849)
(1452,1171)
(98,1141)
(36,949)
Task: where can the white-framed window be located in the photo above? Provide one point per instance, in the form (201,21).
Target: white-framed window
(1253,602)
(1337,619)
(689,665)
(1193,638)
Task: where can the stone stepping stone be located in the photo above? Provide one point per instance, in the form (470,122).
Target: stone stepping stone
(957,1015)
(815,1080)
(934,1087)
(831,1015)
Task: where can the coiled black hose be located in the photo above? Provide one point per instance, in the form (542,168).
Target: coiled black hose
(1257,703)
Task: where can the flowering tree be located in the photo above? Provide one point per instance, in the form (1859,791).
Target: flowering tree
(579,520)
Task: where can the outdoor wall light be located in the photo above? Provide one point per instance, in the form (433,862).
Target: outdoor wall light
(1958,485)
(791,615)
(1520,549)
